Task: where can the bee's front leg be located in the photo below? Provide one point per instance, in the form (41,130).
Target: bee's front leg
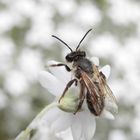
(61,64)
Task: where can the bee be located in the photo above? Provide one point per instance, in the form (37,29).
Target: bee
(93,84)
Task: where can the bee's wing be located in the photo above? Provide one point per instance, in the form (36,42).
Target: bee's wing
(94,96)
(110,100)
(107,91)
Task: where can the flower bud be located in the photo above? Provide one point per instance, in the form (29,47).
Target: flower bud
(69,102)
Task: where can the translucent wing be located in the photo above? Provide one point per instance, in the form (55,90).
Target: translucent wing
(99,95)
(94,96)
(110,100)
(101,79)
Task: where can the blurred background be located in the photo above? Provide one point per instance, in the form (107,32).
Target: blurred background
(26,44)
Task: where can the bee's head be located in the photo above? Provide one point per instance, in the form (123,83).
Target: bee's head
(75,55)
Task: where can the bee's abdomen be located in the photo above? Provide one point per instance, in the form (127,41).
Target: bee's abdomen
(95,107)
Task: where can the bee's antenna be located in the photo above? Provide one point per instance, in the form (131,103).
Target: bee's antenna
(82,39)
(62,42)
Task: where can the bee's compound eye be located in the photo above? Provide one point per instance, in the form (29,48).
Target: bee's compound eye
(68,58)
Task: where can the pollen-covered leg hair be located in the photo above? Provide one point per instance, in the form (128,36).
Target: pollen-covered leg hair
(59,65)
(69,84)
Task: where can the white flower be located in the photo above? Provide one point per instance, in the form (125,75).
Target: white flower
(57,121)
(82,124)
(38,128)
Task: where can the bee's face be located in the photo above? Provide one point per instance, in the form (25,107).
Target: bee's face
(74,56)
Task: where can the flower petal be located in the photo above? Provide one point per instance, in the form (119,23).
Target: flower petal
(56,119)
(44,133)
(106,70)
(107,114)
(83,126)
(66,135)
(95,60)
(89,125)
(76,127)
(62,122)
(60,72)
(51,83)
(50,116)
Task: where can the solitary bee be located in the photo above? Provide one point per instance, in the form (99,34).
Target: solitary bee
(93,85)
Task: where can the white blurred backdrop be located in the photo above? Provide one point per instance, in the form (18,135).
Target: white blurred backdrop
(26,44)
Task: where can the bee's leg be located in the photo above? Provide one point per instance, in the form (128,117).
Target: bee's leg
(59,65)
(81,97)
(69,84)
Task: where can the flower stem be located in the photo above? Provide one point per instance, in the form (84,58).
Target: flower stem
(26,134)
